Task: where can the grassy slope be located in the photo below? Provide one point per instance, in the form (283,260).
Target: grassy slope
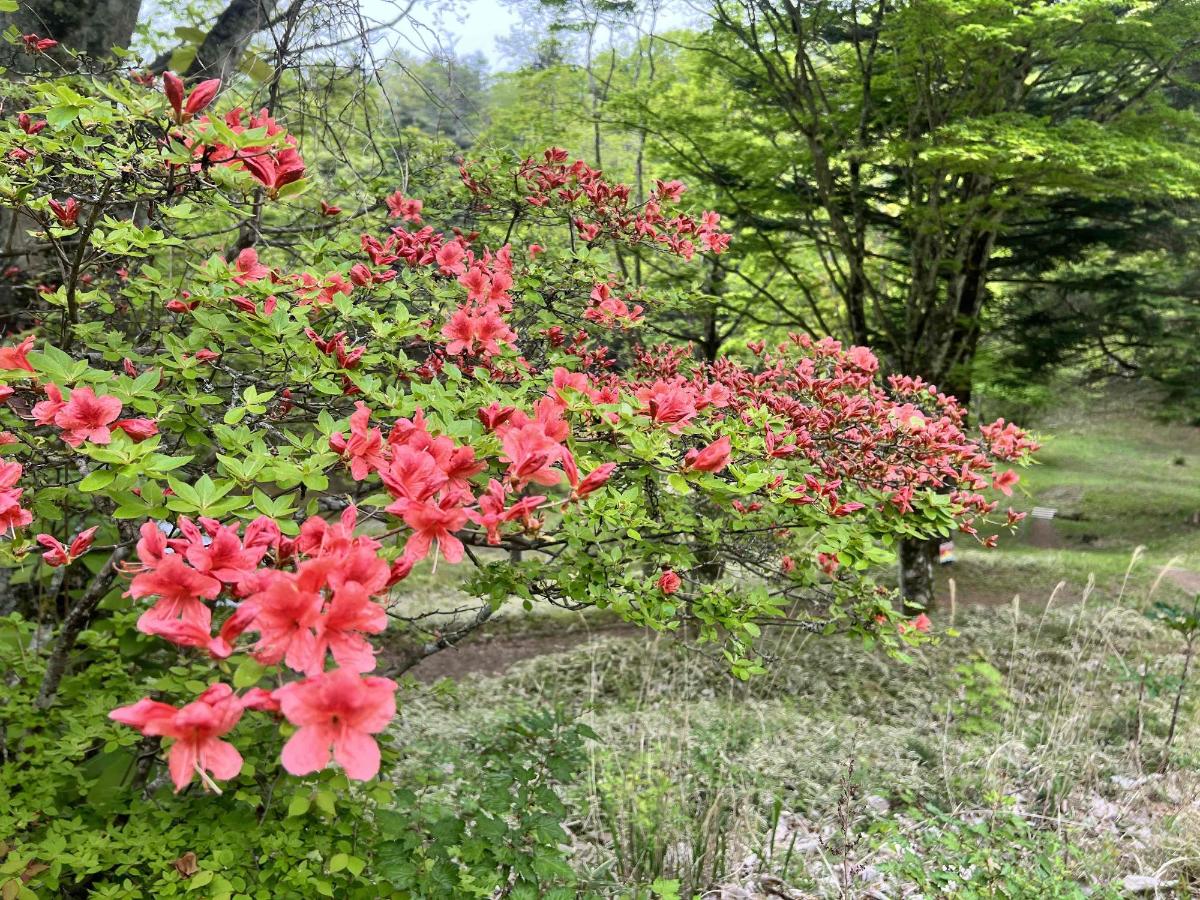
(1119,481)
(1128,479)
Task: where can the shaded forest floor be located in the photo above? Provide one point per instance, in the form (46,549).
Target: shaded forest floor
(1020,756)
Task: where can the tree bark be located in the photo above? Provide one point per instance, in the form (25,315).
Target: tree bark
(91,26)
(225,43)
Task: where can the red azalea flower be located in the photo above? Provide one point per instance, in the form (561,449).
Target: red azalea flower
(12,515)
(59,555)
(35,44)
(137,429)
(398,205)
(363,448)
(28,125)
(344,623)
(1004,482)
(179,588)
(66,213)
(434,523)
(201,95)
(336,710)
(712,458)
(17,357)
(196,729)
(284,614)
(86,417)
(248,267)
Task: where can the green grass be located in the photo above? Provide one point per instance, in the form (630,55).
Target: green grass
(1121,480)
(1118,480)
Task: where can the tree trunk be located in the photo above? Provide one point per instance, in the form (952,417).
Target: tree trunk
(93,27)
(714,286)
(963,339)
(225,43)
(951,371)
(916,575)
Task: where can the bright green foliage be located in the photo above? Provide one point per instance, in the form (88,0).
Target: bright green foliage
(1001,855)
(890,164)
(196,340)
(982,700)
(506,817)
(85,813)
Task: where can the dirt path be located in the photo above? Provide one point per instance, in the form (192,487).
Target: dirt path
(1184,579)
(495,654)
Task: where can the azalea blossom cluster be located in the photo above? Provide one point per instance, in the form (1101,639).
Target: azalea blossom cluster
(308,599)
(600,208)
(608,308)
(87,416)
(476,328)
(315,597)
(829,413)
(272,166)
(83,417)
(430,477)
(480,326)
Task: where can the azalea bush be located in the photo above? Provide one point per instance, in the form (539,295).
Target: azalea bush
(239,414)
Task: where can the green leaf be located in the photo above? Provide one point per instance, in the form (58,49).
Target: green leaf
(97,480)
(679,483)
(295,189)
(326,802)
(52,361)
(298,805)
(190,33)
(248,673)
(200,879)
(666,889)
(60,117)
(257,68)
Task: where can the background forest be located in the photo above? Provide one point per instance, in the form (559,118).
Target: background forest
(538,326)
